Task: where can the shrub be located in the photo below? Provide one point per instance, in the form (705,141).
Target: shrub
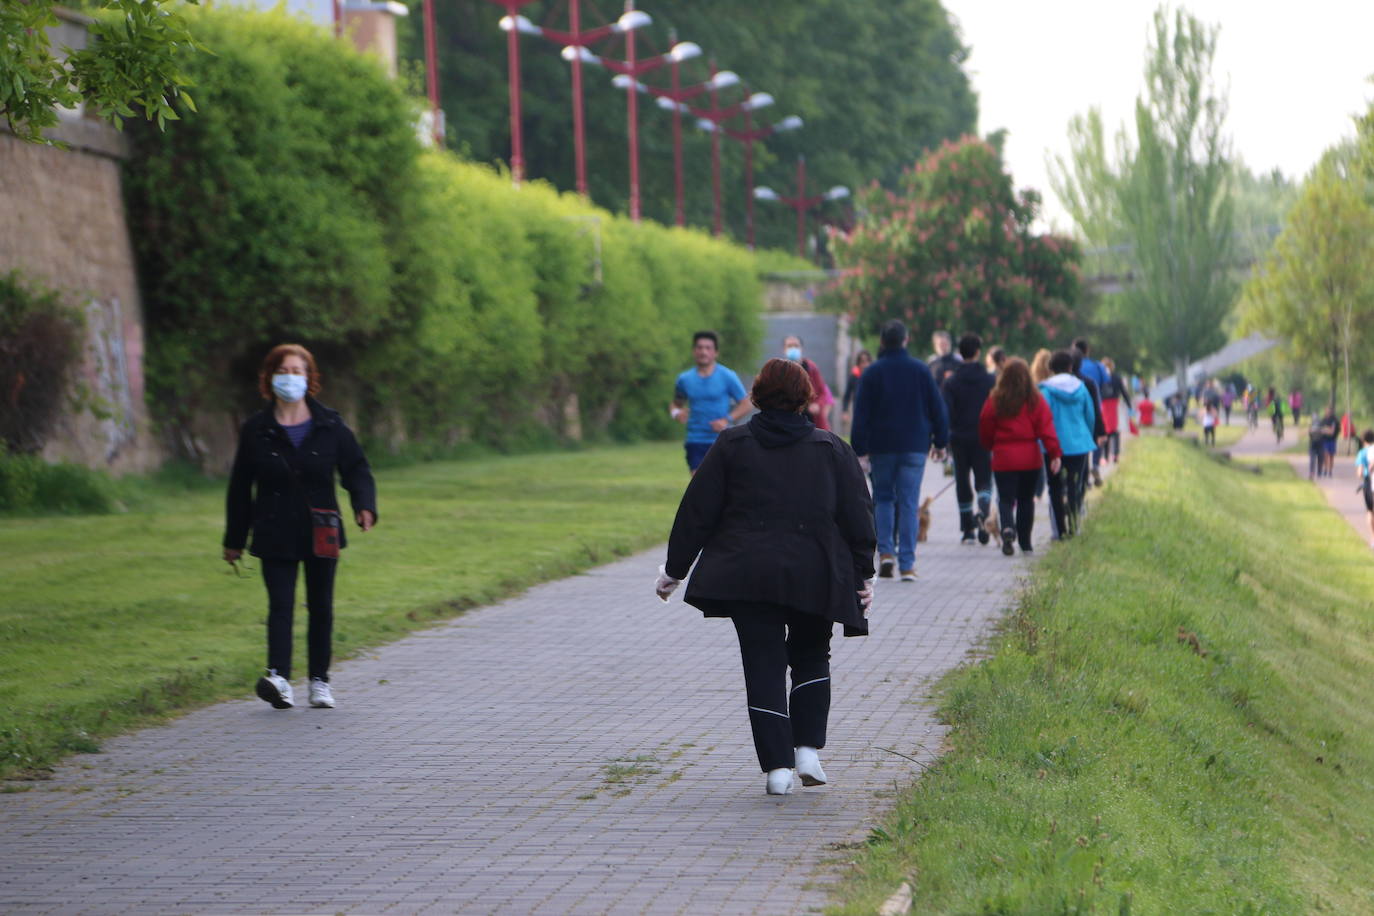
(31,486)
(40,344)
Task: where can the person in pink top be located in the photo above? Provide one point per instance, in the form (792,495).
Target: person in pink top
(1295,405)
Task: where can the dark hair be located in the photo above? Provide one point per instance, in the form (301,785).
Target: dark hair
(782,385)
(1061,361)
(998,355)
(1368,436)
(1014,389)
(969,345)
(272,362)
(1081,345)
(862,355)
(894,335)
(706,335)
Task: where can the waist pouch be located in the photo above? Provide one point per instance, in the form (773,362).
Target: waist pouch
(326,530)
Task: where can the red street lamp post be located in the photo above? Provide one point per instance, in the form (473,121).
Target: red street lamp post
(577,38)
(712,120)
(432,76)
(628,72)
(801,203)
(748,137)
(513,24)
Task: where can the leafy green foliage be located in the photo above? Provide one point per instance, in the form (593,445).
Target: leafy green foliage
(954,249)
(875,83)
(40,346)
(133,61)
(31,486)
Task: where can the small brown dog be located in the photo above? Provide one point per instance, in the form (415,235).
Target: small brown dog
(923,519)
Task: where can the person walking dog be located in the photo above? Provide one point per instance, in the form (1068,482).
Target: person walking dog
(282,488)
(1017,427)
(780,525)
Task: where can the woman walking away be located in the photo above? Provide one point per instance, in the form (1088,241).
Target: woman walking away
(1114,391)
(282,487)
(851,385)
(1015,425)
(1071,402)
(780,517)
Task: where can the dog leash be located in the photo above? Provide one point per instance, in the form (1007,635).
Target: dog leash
(944,490)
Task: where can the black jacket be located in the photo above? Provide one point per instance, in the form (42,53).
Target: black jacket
(273,486)
(942,367)
(965,390)
(780,513)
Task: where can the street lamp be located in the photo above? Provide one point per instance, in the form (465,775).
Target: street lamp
(628,72)
(631,20)
(748,136)
(514,25)
(712,120)
(801,203)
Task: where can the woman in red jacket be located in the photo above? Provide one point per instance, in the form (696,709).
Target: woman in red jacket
(1015,425)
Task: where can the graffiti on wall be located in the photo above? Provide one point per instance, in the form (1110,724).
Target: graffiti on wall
(113,375)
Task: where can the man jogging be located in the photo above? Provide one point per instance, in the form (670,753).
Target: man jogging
(898,416)
(707,399)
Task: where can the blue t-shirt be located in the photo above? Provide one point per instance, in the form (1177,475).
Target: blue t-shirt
(1362,461)
(709,398)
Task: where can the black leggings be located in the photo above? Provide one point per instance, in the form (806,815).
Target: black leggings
(280,577)
(771,638)
(1016,499)
(1075,485)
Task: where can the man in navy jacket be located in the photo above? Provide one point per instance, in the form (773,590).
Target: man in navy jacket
(899,417)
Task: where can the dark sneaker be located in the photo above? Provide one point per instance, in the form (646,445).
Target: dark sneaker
(969,538)
(275,690)
(1008,541)
(885,566)
(983,537)
(1097,477)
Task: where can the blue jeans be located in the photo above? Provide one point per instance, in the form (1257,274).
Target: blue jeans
(896,489)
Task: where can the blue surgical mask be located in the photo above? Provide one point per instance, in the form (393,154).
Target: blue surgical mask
(793,353)
(289,388)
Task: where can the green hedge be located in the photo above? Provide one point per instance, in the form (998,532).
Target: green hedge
(451,308)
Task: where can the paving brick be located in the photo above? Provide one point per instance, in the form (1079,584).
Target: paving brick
(474,779)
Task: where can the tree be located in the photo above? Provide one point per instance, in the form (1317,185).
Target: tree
(1315,290)
(132,61)
(954,249)
(1162,212)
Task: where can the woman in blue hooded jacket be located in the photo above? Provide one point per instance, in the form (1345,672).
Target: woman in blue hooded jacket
(1074,419)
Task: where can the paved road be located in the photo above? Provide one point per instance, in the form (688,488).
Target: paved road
(580,749)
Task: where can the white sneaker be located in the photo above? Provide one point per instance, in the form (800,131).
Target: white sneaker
(320,696)
(780,781)
(275,690)
(809,767)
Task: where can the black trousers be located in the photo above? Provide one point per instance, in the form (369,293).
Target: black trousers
(1057,485)
(971,459)
(1075,485)
(280,578)
(1016,500)
(771,639)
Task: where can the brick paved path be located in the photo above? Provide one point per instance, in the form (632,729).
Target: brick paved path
(581,749)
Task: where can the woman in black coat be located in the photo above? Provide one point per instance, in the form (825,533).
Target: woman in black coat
(780,516)
(282,487)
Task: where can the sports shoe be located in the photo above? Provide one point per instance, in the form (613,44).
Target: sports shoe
(1097,477)
(780,781)
(1008,541)
(968,540)
(809,767)
(886,563)
(909,575)
(982,528)
(320,696)
(275,690)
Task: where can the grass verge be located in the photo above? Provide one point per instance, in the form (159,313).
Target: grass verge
(107,622)
(1175,719)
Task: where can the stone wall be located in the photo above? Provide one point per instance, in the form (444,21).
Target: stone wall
(64,226)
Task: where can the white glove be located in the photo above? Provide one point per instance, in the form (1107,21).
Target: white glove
(665,585)
(866,596)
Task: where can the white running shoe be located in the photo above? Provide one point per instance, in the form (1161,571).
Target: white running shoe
(780,781)
(809,767)
(276,690)
(320,695)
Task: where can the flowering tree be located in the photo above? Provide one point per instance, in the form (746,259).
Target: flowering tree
(953,248)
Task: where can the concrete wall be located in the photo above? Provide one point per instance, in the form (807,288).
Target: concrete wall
(64,226)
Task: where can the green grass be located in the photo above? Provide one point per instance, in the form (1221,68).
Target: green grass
(1177,717)
(112,621)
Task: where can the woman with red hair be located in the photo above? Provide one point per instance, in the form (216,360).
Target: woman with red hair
(282,488)
(780,525)
(1015,425)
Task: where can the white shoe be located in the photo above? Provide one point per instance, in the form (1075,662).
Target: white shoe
(275,690)
(780,781)
(809,767)
(320,697)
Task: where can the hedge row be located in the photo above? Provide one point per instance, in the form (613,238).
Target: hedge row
(446,306)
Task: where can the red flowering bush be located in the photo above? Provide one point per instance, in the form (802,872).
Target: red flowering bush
(953,248)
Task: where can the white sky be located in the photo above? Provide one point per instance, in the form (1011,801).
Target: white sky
(1296,73)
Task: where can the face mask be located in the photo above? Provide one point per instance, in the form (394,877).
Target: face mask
(289,388)
(794,354)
